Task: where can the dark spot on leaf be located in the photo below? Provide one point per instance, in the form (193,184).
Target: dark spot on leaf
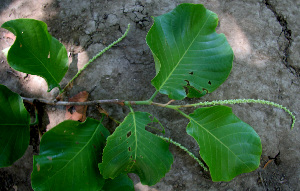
(94,146)
(120,138)
(131,157)
(101,134)
(134,161)
(129,148)
(191,73)
(128,134)
(77,142)
(127,142)
(209,82)
(141,156)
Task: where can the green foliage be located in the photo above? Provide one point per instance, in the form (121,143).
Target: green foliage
(121,182)
(36,52)
(14,127)
(228,145)
(133,149)
(188,52)
(69,154)
(191,60)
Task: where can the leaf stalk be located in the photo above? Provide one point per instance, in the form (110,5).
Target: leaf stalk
(153,96)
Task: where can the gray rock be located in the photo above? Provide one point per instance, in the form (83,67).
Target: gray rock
(90,27)
(111,20)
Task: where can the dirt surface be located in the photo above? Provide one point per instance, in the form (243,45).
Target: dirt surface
(264,36)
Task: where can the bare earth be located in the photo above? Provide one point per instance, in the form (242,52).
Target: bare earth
(265,38)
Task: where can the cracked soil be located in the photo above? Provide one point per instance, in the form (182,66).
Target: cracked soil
(265,38)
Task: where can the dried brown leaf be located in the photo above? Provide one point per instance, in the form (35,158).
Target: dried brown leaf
(77,112)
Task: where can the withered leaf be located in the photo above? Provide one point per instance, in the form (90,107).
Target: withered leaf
(77,112)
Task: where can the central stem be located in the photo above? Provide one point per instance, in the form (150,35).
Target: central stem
(174,107)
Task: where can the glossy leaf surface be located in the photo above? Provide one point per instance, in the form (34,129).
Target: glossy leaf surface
(132,149)
(122,182)
(36,52)
(188,51)
(69,154)
(14,127)
(227,145)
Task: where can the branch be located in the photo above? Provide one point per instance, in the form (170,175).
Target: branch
(54,102)
(175,107)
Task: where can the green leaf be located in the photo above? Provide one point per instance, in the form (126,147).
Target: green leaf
(188,52)
(193,93)
(121,182)
(69,154)
(14,127)
(228,145)
(36,52)
(133,149)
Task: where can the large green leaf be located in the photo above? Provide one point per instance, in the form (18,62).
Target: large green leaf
(188,52)
(133,149)
(14,127)
(228,145)
(36,52)
(69,154)
(121,182)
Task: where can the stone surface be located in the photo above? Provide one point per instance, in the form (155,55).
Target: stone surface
(266,66)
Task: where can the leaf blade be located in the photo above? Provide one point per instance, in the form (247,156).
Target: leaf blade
(188,51)
(121,182)
(133,149)
(228,145)
(36,52)
(14,127)
(69,154)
